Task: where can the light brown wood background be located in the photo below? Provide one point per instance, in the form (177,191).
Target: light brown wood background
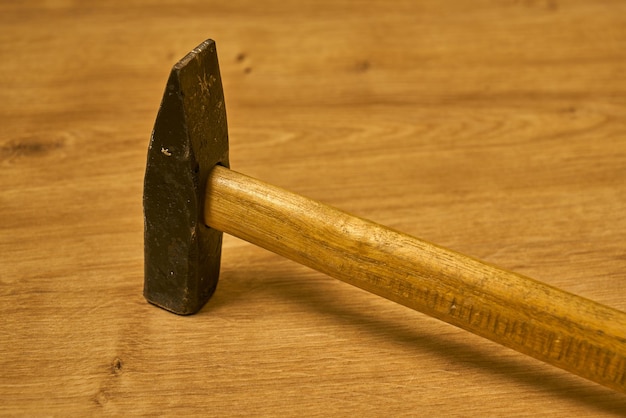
(496,128)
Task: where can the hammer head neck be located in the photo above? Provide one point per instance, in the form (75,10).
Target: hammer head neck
(182,254)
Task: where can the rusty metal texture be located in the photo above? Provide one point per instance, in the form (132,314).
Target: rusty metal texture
(182,255)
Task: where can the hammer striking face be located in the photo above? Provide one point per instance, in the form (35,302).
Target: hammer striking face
(182,255)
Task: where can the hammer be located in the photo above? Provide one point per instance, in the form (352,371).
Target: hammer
(191,197)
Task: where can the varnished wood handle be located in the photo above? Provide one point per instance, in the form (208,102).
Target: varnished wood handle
(557,327)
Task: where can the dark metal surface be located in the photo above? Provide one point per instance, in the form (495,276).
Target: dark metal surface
(182,255)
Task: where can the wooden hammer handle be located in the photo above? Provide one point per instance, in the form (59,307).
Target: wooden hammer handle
(557,327)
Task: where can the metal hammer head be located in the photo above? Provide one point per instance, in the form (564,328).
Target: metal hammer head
(182,254)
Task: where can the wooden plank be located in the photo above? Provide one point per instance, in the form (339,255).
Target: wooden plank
(501,122)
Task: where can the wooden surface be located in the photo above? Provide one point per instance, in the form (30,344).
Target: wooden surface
(495,128)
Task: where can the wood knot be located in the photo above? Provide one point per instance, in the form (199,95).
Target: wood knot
(362,66)
(116,366)
(30,147)
(242,59)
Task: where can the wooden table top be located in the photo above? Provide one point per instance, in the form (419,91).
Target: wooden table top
(493,128)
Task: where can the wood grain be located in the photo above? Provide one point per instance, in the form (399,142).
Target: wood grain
(494,128)
(557,327)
